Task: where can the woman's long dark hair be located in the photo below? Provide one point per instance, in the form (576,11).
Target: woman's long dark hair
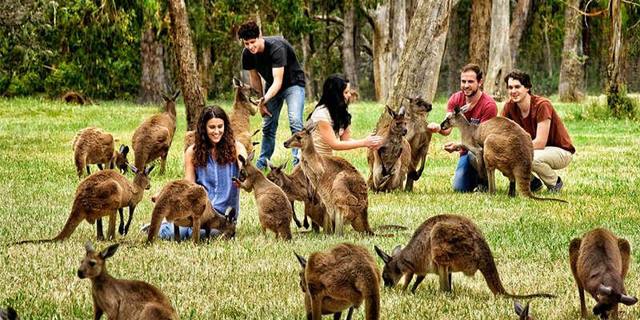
(225,150)
(333,99)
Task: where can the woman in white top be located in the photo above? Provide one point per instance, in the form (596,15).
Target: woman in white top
(333,131)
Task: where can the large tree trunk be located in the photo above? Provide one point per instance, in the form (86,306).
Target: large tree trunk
(152,81)
(454,53)
(518,24)
(349,46)
(307,55)
(420,64)
(499,53)
(194,99)
(571,84)
(389,24)
(204,70)
(480,33)
(615,98)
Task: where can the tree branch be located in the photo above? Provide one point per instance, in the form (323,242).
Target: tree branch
(329,19)
(589,14)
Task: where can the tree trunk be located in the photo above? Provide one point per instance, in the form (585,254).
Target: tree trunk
(349,46)
(152,80)
(420,63)
(307,67)
(454,53)
(194,99)
(499,53)
(571,84)
(518,24)
(480,30)
(616,97)
(204,69)
(389,24)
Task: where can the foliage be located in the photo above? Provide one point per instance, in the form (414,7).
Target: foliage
(620,104)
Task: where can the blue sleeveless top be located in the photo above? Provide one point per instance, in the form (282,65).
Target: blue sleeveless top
(216,179)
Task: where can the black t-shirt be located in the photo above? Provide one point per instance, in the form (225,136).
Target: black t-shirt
(277,53)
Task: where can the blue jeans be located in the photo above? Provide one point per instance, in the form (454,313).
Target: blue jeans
(466,177)
(294,96)
(166,232)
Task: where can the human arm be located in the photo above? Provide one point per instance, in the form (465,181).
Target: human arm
(542,134)
(434,127)
(189,168)
(345,142)
(278,74)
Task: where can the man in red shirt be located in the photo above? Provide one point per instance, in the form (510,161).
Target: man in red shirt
(552,147)
(481,108)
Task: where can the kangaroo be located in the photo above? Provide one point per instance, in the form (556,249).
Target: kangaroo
(340,186)
(522,312)
(121,299)
(418,136)
(186,204)
(9,314)
(444,244)
(599,263)
(388,166)
(500,144)
(298,188)
(94,146)
(101,194)
(274,208)
(244,106)
(340,278)
(152,139)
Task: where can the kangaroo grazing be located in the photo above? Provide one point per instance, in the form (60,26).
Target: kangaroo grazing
(101,194)
(298,188)
(340,278)
(500,144)
(186,204)
(388,166)
(152,139)
(94,146)
(418,136)
(9,314)
(121,299)
(522,312)
(444,244)
(274,208)
(599,263)
(340,186)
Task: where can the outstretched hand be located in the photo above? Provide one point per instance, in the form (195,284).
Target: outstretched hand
(452,146)
(433,127)
(262,106)
(373,142)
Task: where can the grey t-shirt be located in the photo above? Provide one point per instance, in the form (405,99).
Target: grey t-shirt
(277,53)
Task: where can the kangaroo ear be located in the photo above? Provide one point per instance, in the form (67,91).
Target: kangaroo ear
(109,251)
(88,246)
(628,300)
(390,111)
(148,170)
(236,82)
(310,126)
(396,250)
(250,156)
(401,111)
(456,110)
(231,214)
(133,168)
(385,257)
(242,160)
(124,149)
(301,259)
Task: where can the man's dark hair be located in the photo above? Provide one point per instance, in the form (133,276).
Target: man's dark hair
(249,30)
(521,76)
(473,67)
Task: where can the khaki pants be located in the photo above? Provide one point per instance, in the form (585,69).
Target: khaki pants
(549,159)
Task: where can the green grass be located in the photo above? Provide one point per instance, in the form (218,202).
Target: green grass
(256,277)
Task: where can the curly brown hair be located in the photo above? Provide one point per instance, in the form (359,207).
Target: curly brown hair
(224,151)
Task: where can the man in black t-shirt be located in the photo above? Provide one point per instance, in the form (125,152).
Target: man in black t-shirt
(273,59)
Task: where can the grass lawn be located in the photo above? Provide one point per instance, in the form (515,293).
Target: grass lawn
(256,277)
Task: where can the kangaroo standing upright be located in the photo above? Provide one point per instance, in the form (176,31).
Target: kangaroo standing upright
(153,137)
(444,244)
(342,189)
(599,263)
(418,136)
(340,278)
(498,143)
(121,299)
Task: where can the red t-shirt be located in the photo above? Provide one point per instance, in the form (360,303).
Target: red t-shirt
(484,109)
(540,110)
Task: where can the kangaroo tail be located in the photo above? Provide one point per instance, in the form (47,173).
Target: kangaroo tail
(391,227)
(525,188)
(529,296)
